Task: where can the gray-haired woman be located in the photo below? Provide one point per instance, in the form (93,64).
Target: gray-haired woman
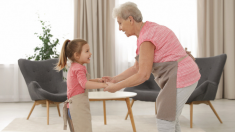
(158,52)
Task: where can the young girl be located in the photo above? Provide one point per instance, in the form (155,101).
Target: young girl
(78,52)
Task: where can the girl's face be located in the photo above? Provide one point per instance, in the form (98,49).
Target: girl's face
(126,26)
(85,55)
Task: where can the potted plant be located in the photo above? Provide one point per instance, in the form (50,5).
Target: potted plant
(46,50)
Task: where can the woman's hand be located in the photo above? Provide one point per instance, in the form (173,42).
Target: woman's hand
(109,79)
(111,87)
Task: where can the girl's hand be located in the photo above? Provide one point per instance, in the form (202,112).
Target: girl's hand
(109,79)
(110,88)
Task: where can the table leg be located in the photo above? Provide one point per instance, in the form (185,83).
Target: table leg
(130,113)
(132,102)
(104,112)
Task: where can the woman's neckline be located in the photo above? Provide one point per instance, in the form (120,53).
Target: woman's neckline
(142,28)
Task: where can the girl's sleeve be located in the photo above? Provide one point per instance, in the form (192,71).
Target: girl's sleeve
(81,77)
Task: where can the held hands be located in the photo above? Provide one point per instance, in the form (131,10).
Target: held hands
(110,87)
(110,81)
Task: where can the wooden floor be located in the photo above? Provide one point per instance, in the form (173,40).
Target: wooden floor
(203,116)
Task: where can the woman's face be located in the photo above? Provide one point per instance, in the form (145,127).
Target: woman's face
(126,26)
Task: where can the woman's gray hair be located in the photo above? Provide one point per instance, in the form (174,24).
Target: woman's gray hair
(128,9)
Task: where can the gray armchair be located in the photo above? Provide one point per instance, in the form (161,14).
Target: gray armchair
(211,69)
(45,85)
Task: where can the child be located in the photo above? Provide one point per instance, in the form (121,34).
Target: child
(78,52)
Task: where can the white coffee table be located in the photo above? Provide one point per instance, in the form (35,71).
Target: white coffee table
(102,96)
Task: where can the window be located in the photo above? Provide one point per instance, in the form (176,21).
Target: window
(19,22)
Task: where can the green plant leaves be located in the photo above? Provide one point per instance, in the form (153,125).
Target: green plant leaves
(47,48)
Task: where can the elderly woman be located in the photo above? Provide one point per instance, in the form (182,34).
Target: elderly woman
(158,52)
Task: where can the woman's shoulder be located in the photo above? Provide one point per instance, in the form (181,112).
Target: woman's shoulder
(149,25)
(152,25)
(153,28)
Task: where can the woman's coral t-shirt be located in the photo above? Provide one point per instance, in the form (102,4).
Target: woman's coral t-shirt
(168,48)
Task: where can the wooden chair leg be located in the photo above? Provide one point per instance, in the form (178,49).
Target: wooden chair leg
(191,115)
(31,109)
(58,108)
(214,111)
(132,102)
(47,102)
(104,112)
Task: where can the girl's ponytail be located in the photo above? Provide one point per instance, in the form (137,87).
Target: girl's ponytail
(63,57)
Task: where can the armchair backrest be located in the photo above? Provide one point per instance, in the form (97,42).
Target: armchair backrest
(211,68)
(42,72)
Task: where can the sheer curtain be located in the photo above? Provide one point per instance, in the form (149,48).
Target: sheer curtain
(19,22)
(178,15)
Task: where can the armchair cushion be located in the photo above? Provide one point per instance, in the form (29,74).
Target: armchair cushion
(33,88)
(206,91)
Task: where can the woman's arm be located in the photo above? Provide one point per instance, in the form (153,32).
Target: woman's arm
(146,56)
(94,85)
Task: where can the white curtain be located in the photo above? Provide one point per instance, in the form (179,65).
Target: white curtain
(18,23)
(178,15)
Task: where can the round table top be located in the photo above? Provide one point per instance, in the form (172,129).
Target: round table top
(108,95)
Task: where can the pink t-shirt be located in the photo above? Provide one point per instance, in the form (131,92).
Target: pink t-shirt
(168,48)
(76,80)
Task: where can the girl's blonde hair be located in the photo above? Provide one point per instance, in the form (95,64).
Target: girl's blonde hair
(68,50)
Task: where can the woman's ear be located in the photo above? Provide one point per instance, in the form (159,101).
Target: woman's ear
(131,19)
